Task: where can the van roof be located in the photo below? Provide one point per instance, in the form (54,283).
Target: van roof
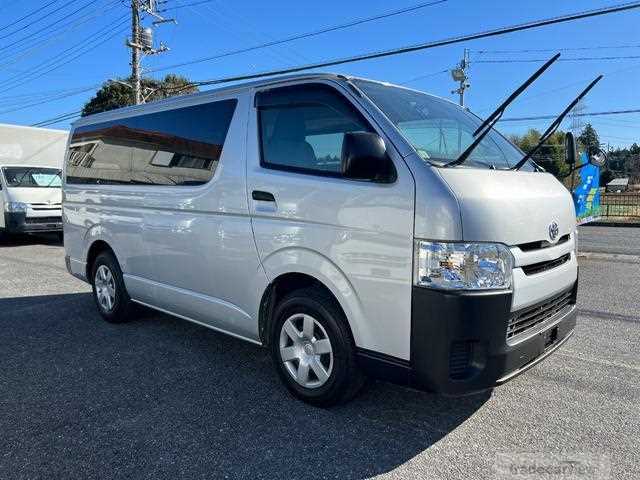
(185,100)
(26,165)
(193,97)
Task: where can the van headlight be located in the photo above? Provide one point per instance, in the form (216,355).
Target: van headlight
(463,266)
(15,207)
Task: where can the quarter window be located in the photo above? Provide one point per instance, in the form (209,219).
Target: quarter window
(173,147)
(302,128)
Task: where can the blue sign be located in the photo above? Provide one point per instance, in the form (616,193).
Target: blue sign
(586,196)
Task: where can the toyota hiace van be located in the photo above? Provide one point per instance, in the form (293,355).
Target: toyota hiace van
(331,220)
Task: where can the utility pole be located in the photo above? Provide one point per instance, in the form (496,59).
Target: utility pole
(459,74)
(136,50)
(141,42)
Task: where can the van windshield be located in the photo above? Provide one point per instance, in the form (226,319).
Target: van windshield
(32,177)
(438,129)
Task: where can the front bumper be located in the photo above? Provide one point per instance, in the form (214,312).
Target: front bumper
(18,222)
(459,340)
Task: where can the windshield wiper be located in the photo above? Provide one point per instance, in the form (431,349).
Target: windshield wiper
(556,123)
(486,126)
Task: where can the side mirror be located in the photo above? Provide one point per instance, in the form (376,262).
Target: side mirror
(598,159)
(364,157)
(570,149)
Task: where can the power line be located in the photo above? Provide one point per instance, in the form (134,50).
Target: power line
(48,100)
(227,21)
(433,44)
(28,15)
(562,49)
(48,26)
(58,119)
(44,17)
(587,114)
(422,77)
(570,59)
(530,98)
(51,65)
(301,36)
(193,4)
(50,36)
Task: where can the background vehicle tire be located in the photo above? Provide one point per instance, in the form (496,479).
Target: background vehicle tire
(109,292)
(313,350)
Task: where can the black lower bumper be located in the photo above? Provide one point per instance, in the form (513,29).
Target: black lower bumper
(18,222)
(459,342)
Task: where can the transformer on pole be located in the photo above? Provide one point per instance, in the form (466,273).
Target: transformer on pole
(459,74)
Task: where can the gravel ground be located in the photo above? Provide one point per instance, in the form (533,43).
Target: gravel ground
(164,398)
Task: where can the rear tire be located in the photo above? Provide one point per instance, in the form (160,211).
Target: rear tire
(312,348)
(109,292)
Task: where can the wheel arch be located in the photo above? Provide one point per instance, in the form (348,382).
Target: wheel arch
(298,268)
(96,247)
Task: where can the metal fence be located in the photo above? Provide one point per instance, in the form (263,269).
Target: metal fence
(620,205)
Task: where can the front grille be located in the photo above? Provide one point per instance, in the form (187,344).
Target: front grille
(528,247)
(546,265)
(529,317)
(46,207)
(33,220)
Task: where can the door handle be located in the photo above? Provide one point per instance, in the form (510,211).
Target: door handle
(263,196)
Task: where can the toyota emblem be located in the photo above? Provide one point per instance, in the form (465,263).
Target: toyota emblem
(553,231)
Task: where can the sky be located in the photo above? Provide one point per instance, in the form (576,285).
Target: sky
(86,45)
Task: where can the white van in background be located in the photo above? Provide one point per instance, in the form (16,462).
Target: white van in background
(332,220)
(31,179)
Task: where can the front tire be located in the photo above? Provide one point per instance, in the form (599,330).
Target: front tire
(109,292)
(313,350)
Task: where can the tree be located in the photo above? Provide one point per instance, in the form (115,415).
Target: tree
(550,155)
(119,93)
(606,176)
(589,140)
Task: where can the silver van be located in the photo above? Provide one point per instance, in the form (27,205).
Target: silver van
(328,219)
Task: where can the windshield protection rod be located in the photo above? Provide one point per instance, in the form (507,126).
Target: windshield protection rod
(555,124)
(486,126)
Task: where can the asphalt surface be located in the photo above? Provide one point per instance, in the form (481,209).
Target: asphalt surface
(621,240)
(164,398)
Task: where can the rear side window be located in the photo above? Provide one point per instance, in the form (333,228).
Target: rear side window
(173,147)
(302,128)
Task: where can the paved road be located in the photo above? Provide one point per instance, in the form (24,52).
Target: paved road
(163,398)
(622,240)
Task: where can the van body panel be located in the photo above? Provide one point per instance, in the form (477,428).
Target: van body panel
(437,214)
(359,235)
(510,207)
(51,196)
(183,249)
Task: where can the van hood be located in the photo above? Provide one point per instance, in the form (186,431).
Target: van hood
(34,195)
(510,207)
